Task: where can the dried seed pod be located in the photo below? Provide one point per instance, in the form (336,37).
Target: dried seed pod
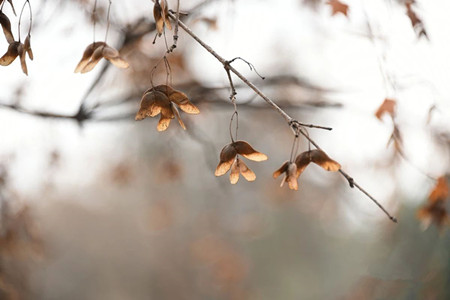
(95,52)
(228,159)
(161,15)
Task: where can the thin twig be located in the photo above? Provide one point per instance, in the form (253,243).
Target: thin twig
(288,119)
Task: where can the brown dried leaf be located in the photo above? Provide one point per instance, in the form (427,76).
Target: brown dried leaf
(338,7)
(440,190)
(388,106)
(244,149)
(434,212)
(415,20)
(11,54)
(6,26)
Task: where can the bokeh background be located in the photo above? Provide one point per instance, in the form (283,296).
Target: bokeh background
(95,205)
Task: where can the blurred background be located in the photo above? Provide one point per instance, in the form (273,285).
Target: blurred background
(95,205)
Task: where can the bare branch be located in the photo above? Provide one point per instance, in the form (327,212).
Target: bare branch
(291,122)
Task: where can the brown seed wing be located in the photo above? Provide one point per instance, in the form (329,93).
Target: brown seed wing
(6,26)
(22,56)
(149,107)
(163,123)
(189,108)
(178,97)
(246,171)
(247,151)
(302,161)
(234,174)
(292,182)
(322,159)
(281,170)
(177,115)
(10,55)
(159,21)
(227,156)
(119,62)
(291,178)
(27,47)
(95,58)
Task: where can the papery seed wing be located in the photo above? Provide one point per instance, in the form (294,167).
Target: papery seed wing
(291,178)
(227,156)
(165,14)
(10,55)
(147,101)
(161,101)
(109,52)
(22,56)
(234,174)
(95,58)
(163,123)
(247,151)
(322,159)
(292,182)
(302,161)
(281,170)
(246,171)
(178,97)
(167,111)
(189,108)
(119,62)
(163,88)
(159,21)
(6,26)
(27,47)
(177,115)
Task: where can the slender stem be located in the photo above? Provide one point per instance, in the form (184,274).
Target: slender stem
(107,20)
(287,118)
(20,17)
(94,18)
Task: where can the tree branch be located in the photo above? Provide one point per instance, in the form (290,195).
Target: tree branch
(293,124)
